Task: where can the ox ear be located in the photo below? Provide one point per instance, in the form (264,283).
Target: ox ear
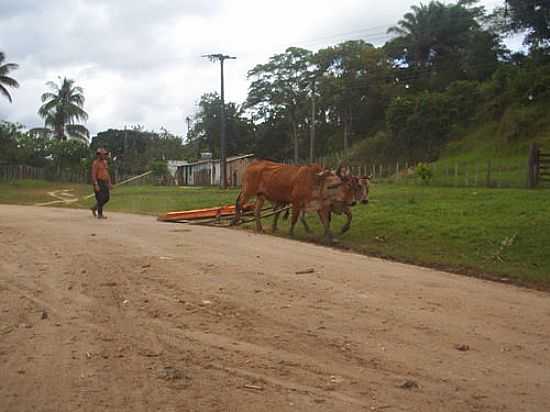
(343,170)
(324,173)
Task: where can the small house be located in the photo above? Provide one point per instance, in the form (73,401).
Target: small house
(206,172)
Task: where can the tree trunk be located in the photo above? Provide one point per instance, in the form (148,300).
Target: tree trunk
(60,132)
(295,137)
(345,136)
(347,120)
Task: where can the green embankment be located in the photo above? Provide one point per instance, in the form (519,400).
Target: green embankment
(495,152)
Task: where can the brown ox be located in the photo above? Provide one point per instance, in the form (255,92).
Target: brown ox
(359,186)
(305,188)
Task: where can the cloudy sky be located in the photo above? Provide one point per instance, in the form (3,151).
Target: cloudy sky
(140,62)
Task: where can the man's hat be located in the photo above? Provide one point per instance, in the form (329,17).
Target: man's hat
(101,150)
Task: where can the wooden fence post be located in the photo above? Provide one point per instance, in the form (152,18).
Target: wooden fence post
(456,174)
(397,176)
(533,166)
(488,173)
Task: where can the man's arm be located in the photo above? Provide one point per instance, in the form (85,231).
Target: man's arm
(94,176)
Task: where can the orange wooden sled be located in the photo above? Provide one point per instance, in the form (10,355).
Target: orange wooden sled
(198,214)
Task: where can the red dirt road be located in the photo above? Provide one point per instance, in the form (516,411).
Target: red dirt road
(149,316)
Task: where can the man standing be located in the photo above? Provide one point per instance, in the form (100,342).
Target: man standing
(101,181)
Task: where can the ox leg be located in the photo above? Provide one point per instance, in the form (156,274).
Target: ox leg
(259,204)
(295,214)
(276,217)
(349,216)
(324,215)
(241,199)
(304,222)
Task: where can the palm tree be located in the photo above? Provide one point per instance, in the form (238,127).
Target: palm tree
(436,30)
(62,108)
(5,80)
(418,31)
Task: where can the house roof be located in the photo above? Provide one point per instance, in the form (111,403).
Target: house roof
(229,159)
(238,157)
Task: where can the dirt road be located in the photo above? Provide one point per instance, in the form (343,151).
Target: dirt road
(146,316)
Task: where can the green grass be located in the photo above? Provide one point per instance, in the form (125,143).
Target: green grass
(497,233)
(503,144)
(460,229)
(29,192)
(154,200)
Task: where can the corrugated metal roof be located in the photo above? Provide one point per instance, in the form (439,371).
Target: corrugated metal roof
(232,158)
(229,159)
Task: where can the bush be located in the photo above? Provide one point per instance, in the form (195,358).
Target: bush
(160,171)
(424,171)
(159,168)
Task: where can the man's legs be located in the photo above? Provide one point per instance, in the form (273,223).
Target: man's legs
(102,198)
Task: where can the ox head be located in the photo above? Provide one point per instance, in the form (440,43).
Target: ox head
(343,171)
(338,189)
(361,188)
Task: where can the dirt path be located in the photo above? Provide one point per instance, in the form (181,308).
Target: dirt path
(63,196)
(145,316)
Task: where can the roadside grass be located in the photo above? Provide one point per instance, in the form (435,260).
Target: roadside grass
(491,233)
(154,200)
(29,192)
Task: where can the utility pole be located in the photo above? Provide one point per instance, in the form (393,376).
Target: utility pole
(125,157)
(221,58)
(188,120)
(312,127)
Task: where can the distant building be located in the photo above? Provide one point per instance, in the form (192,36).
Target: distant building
(41,132)
(206,172)
(173,168)
(236,165)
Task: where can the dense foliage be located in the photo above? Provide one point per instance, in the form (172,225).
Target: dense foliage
(445,69)
(20,147)
(133,149)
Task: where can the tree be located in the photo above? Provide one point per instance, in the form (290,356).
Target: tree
(419,125)
(532,16)
(352,76)
(133,149)
(206,129)
(439,43)
(280,89)
(5,80)
(62,107)
(68,155)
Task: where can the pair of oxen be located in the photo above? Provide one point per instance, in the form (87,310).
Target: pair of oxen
(306,188)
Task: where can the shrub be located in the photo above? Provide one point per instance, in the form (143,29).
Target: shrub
(424,171)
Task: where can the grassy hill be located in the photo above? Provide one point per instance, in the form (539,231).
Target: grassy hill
(487,152)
